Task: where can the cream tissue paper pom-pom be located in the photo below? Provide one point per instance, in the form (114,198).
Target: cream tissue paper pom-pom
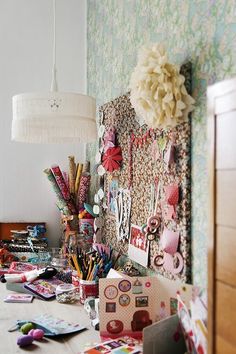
(158,94)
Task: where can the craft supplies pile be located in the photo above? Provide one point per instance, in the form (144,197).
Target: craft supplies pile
(26,243)
(72,190)
(71,187)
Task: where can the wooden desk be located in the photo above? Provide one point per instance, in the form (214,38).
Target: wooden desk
(73,344)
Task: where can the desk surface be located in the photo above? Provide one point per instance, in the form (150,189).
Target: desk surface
(73,344)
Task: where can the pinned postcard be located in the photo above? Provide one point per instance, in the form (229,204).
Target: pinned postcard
(113,187)
(138,246)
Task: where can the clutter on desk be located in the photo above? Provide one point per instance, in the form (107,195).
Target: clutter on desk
(27,245)
(120,345)
(32,239)
(127,305)
(29,276)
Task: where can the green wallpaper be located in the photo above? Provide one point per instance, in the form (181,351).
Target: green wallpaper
(202,31)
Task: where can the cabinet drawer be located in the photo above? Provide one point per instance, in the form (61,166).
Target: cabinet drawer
(223,347)
(226,254)
(226,197)
(225,316)
(226,142)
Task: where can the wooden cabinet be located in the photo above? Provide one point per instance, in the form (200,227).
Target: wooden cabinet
(221,99)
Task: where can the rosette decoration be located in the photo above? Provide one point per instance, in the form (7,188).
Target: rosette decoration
(158,93)
(112,158)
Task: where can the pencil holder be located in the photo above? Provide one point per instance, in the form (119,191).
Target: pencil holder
(88,288)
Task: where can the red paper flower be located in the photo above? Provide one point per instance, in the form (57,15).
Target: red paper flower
(112,159)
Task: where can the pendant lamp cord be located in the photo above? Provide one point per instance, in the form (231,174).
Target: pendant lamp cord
(54,86)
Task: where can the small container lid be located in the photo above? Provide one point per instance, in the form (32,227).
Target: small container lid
(63,288)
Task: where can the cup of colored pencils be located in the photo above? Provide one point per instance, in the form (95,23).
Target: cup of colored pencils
(90,267)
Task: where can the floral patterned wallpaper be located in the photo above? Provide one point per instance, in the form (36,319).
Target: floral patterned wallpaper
(202,31)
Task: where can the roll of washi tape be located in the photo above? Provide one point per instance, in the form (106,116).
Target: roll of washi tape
(153,221)
(151,236)
(152,229)
(158,260)
(169,263)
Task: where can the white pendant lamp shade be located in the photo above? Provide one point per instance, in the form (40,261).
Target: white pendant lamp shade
(53,117)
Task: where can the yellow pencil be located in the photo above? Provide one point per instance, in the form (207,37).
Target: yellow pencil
(89,269)
(80,274)
(92,273)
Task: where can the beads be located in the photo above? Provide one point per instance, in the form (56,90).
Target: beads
(66,293)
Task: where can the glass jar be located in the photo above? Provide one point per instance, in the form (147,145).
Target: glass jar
(66,293)
(58,261)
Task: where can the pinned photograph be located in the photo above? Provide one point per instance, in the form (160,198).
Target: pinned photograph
(141,301)
(113,186)
(138,246)
(110,307)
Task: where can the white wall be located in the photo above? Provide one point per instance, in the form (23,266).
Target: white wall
(25,66)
